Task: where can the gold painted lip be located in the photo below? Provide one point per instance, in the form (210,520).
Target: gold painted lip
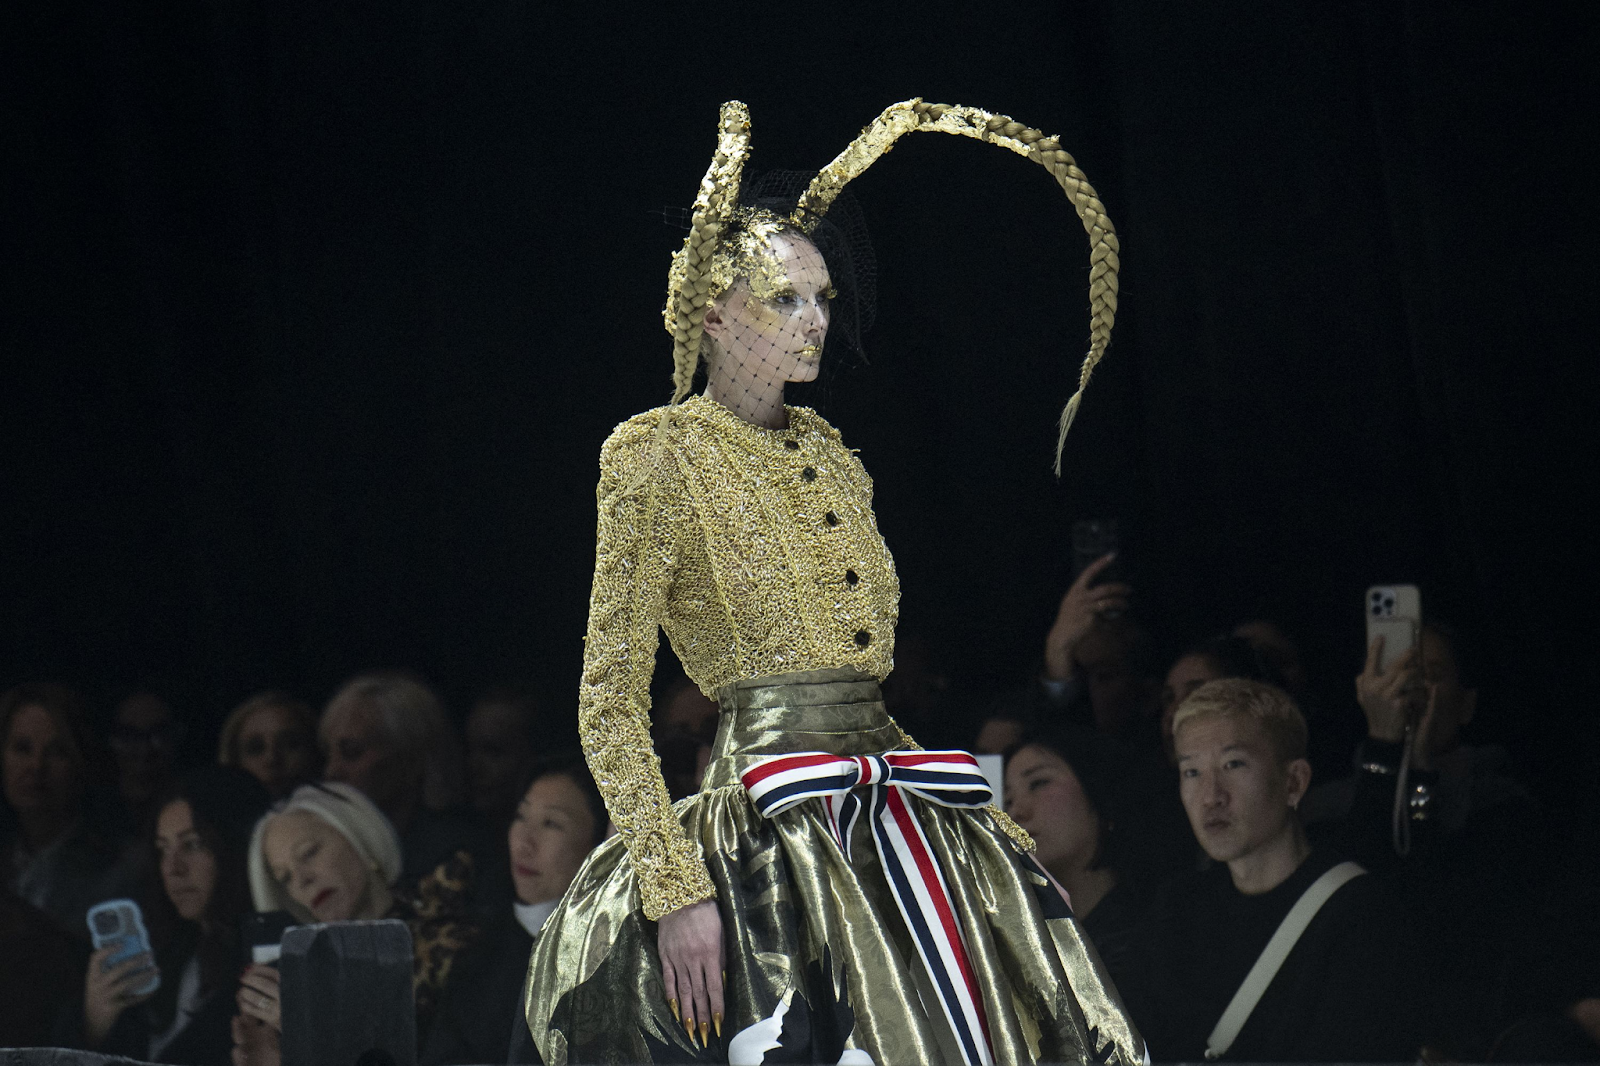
(811,350)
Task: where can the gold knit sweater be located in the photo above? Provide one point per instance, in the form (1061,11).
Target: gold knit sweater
(757,552)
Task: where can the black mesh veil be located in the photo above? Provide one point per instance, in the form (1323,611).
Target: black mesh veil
(846,246)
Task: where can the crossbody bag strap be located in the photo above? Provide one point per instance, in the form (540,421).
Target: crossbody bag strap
(1266,968)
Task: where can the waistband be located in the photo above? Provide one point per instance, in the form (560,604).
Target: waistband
(839,711)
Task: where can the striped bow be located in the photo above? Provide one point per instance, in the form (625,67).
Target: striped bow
(948,778)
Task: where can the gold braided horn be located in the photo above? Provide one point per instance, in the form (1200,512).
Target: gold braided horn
(688,290)
(911,116)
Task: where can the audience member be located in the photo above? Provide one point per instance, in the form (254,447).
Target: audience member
(1230,655)
(1066,787)
(328,854)
(1005,722)
(502,745)
(1096,659)
(1279,654)
(42,975)
(56,826)
(273,736)
(202,834)
(1479,849)
(1343,993)
(685,709)
(918,693)
(387,735)
(145,737)
(560,819)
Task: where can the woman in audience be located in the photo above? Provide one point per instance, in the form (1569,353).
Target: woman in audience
(274,737)
(201,835)
(327,854)
(1065,786)
(560,820)
(55,824)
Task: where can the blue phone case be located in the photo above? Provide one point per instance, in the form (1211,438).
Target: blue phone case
(119,924)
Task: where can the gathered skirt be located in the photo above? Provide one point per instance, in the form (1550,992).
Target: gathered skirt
(816,951)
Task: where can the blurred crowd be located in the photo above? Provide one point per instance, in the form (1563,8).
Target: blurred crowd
(1170,795)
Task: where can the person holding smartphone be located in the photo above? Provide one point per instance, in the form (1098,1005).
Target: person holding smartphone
(202,832)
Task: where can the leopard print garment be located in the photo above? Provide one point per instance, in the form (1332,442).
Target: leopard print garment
(441,928)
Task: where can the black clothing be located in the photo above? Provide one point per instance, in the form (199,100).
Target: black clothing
(41,979)
(206,1040)
(72,874)
(1113,928)
(483,1000)
(434,837)
(1472,884)
(1342,994)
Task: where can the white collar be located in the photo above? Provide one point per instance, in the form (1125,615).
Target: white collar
(533,915)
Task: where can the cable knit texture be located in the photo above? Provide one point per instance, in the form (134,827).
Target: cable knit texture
(757,552)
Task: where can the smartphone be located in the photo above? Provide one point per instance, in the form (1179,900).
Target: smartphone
(262,936)
(1394,612)
(1092,538)
(118,923)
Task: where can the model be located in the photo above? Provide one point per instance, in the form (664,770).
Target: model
(833,893)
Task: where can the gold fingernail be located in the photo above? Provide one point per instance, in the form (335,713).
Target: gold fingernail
(704,1029)
(688,1030)
(674,1005)
(716,1021)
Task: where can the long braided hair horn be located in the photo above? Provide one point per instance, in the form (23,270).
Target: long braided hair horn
(912,116)
(688,289)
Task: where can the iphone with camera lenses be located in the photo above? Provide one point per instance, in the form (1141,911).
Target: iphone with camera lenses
(119,923)
(1394,612)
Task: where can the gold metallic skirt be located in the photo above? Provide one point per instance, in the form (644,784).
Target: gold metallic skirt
(816,948)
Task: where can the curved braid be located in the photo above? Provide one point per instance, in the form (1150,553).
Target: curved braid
(687,287)
(911,116)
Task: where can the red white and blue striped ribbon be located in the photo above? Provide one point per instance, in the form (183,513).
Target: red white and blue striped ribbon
(948,778)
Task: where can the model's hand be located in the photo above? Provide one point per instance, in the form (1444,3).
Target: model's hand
(690,941)
(258,995)
(1388,697)
(107,993)
(1079,609)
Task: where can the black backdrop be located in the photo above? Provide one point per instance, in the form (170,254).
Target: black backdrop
(319,312)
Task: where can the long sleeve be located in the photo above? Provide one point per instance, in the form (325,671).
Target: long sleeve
(634,559)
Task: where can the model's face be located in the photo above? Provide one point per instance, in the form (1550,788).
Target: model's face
(317,867)
(41,773)
(1046,799)
(550,837)
(771,328)
(1238,796)
(359,754)
(276,749)
(188,866)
